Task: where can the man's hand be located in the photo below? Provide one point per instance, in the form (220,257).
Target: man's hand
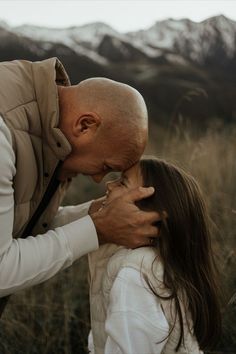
(122,222)
(96,205)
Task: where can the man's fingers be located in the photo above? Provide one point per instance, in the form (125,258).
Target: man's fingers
(149,217)
(148,236)
(152,216)
(96,205)
(150,241)
(144,241)
(139,193)
(151,232)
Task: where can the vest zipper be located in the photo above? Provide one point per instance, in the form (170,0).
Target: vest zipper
(50,191)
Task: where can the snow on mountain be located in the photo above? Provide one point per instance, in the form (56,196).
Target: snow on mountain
(227,30)
(162,34)
(3,24)
(82,39)
(90,33)
(85,40)
(175,39)
(190,39)
(199,40)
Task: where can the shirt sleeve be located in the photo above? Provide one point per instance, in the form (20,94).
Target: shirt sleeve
(70,213)
(135,322)
(30,261)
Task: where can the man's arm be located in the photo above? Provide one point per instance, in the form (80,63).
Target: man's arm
(70,213)
(26,262)
(119,221)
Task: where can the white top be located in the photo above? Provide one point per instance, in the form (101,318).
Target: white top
(135,322)
(30,261)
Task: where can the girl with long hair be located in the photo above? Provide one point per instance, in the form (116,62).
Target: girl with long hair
(162,298)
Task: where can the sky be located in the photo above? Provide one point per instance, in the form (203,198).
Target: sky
(122,15)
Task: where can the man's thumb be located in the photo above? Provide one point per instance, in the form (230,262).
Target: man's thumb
(140,193)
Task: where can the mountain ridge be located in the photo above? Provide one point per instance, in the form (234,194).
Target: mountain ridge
(166,62)
(195,42)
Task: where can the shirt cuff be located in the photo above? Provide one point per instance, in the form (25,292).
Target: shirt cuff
(82,237)
(68,214)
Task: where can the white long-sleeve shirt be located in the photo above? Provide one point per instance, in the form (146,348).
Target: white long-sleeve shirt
(30,261)
(135,322)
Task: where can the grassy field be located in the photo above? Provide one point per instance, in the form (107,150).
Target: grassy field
(54,317)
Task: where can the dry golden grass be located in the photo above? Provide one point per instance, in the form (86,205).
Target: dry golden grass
(54,317)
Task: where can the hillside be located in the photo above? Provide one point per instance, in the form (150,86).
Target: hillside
(181,67)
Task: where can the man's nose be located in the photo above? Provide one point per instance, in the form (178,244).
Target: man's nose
(98,177)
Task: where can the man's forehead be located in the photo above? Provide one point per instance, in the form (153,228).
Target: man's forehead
(121,165)
(123,160)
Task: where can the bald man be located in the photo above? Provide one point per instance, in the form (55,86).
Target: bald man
(49,132)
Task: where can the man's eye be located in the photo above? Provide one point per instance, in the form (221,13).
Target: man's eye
(107,168)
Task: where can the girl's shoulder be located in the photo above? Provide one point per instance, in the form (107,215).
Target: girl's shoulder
(144,259)
(137,255)
(124,257)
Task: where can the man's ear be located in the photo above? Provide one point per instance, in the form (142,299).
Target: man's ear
(86,123)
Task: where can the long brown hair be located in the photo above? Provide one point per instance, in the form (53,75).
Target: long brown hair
(185,248)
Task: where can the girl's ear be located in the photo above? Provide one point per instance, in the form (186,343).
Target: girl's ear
(86,123)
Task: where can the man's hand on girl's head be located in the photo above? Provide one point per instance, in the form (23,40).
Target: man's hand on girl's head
(121,222)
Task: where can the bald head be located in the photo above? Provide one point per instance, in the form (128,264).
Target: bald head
(121,107)
(117,109)
(109,96)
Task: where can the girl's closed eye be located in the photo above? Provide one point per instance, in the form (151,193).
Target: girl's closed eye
(122,182)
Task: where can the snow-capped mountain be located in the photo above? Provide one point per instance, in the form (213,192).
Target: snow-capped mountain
(209,35)
(165,61)
(193,41)
(89,34)
(190,39)
(83,40)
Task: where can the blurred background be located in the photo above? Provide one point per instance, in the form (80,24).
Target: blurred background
(181,55)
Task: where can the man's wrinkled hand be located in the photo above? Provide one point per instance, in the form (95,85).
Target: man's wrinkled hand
(96,205)
(120,221)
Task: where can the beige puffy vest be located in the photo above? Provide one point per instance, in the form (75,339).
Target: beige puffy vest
(29,107)
(104,266)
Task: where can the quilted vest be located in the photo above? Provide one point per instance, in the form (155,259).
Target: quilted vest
(104,266)
(29,108)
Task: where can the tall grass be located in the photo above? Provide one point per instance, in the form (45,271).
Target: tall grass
(54,317)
